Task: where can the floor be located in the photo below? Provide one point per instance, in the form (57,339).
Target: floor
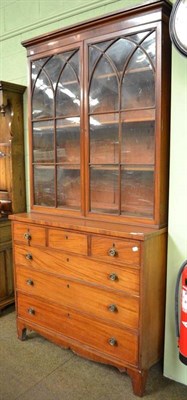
(37,369)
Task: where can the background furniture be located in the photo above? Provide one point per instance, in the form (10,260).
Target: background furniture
(12,179)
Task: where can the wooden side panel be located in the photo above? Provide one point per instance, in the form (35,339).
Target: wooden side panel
(5,232)
(6,276)
(3,289)
(152,314)
(165,136)
(6,265)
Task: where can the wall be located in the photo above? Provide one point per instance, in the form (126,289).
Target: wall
(20,20)
(177,240)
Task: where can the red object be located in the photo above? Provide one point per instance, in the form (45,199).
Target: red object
(182,341)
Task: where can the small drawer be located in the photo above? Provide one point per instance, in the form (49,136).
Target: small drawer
(67,241)
(115,250)
(80,268)
(29,234)
(119,308)
(113,341)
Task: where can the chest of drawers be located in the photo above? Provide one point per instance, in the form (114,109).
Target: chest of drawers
(99,292)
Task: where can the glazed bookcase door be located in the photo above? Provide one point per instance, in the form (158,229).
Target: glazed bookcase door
(121,125)
(56,131)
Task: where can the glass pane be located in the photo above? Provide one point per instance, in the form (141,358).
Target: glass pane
(68,93)
(68,188)
(43,142)
(138,62)
(119,52)
(104,141)
(138,143)
(138,37)
(36,66)
(54,67)
(42,103)
(68,140)
(138,87)
(137,189)
(104,195)
(149,44)
(74,62)
(104,45)
(95,51)
(94,54)
(103,95)
(44,178)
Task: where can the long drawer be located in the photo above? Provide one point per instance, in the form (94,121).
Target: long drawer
(118,308)
(76,267)
(115,250)
(110,340)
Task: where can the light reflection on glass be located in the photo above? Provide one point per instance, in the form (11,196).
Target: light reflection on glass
(41,85)
(75,120)
(93,102)
(69,93)
(94,122)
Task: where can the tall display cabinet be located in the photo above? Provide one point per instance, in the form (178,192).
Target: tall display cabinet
(90,256)
(12,179)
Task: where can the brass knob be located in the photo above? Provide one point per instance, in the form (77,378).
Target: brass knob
(112,341)
(29,282)
(112,308)
(31,311)
(27,236)
(28,256)
(112,252)
(113,277)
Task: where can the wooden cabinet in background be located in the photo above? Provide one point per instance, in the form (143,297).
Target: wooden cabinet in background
(12,179)
(6,270)
(90,257)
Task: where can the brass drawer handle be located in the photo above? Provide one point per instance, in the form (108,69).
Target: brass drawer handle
(31,311)
(29,282)
(27,236)
(112,252)
(112,341)
(113,277)
(28,256)
(112,308)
